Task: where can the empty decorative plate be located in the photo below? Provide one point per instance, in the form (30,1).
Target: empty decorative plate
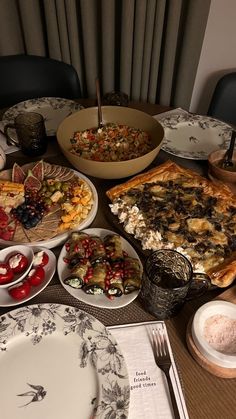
(59,362)
(53,109)
(194,136)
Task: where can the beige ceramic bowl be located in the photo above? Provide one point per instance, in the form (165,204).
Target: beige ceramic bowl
(88,118)
(216,172)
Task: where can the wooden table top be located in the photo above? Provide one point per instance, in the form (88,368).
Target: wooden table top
(207,396)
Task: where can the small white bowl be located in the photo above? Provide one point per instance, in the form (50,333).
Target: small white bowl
(213,308)
(27,251)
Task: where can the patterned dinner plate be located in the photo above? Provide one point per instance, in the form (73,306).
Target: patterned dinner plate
(59,362)
(53,109)
(194,136)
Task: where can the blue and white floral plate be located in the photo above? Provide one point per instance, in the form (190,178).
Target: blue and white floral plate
(194,136)
(59,362)
(53,109)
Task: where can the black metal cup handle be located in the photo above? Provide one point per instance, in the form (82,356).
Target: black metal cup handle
(199,285)
(10,140)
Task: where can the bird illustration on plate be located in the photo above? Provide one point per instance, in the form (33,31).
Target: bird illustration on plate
(37,394)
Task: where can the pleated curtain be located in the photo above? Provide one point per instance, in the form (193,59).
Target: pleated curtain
(148,49)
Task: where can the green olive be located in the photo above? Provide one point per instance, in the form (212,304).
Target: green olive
(48,202)
(52,188)
(65,186)
(57,185)
(47,194)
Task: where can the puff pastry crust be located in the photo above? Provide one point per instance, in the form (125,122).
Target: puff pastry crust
(216,229)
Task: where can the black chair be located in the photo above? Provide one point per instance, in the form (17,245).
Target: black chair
(223,102)
(25,77)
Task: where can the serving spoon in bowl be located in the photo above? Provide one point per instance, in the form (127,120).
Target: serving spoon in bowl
(227,160)
(100,123)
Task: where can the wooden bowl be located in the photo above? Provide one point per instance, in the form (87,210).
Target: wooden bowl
(216,172)
(88,118)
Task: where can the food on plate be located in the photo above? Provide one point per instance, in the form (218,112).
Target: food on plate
(79,274)
(41,258)
(36,276)
(99,277)
(113,247)
(173,207)
(6,273)
(18,262)
(20,290)
(11,194)
(111,142)
(41,200)
(131,272)
(101,266)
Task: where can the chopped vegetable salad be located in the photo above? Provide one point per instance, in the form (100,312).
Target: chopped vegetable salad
(111,142)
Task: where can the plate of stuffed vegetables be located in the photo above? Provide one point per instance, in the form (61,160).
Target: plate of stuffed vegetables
(100,268)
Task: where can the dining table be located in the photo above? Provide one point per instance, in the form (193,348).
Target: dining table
(207,396)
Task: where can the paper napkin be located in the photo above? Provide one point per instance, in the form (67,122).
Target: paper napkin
(149,394)
(176,111)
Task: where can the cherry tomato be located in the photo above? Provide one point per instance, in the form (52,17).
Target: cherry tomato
(36,276)
(18,263)
(6,273)
(20,290)
(41,258)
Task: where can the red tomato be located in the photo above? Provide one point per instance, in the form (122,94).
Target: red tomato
(18,263)
(36,276)
(6,273)
(41,258)
(20,290)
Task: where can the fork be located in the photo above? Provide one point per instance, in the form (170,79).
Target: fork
(163,361)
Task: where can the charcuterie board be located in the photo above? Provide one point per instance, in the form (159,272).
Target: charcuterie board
(228,295)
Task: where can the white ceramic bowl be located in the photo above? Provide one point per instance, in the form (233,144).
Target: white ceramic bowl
(27,251)
(88,118)
(216,351)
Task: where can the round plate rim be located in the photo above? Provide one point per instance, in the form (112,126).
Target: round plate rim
(130,297)
(40,288)
(46,101)
(64,235)
(103,377)
(183,120)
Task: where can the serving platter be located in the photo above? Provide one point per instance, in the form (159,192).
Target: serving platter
(68,365)
(101,301)
(7,301)
(43,234)
(194,136)
(53,109)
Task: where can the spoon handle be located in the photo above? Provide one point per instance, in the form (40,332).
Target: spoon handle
(99,103)
(231,147)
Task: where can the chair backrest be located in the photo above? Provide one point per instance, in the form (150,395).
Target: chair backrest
(223,102)
(25,77)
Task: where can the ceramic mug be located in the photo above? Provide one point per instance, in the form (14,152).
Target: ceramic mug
(31,133)
(168,282)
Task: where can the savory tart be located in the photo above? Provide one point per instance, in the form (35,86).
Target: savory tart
(175,208)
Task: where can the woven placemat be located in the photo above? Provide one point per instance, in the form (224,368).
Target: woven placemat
(131,313)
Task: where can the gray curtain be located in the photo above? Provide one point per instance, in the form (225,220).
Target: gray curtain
(147,48)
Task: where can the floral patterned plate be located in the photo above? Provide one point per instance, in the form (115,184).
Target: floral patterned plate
(53,109)
(194,136)
(59,362)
